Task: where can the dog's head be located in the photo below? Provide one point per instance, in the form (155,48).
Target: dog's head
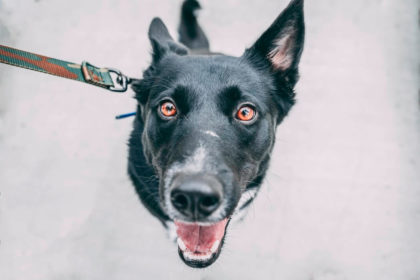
(205,129)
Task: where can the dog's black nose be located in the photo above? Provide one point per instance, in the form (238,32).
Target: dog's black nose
(196,197)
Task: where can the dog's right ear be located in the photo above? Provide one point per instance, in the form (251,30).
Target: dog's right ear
(162,42)
(281,45)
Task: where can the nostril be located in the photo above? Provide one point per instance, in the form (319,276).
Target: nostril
(209,203)
(179,200)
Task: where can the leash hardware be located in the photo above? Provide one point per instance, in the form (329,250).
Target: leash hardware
(121,80)
(109,78)
(93,75)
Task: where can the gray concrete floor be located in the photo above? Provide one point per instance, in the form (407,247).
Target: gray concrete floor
(342,199)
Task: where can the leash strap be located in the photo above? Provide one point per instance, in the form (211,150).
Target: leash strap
(107,78)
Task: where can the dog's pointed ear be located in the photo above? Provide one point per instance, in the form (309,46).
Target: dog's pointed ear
(162,42)
(281,44)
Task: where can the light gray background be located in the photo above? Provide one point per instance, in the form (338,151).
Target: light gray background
(342,198)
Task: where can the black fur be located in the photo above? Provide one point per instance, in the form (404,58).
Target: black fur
(207,91)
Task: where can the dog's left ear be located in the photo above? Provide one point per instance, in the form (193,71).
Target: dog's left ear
(281,44)
(162,42)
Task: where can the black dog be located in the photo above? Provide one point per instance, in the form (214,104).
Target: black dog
(206,125)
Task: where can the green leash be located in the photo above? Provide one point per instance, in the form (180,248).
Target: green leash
(107,78)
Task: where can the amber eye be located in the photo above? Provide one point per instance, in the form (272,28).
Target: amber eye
(168,109)
(246,113)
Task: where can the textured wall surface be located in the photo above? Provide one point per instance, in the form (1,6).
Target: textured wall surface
(342,198)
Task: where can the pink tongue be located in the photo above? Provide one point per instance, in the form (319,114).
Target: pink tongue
(198,238)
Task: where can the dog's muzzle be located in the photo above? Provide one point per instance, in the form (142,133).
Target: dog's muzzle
(199,195)
(197,202)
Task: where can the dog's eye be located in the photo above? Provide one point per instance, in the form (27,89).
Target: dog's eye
(246,113)
(168,109)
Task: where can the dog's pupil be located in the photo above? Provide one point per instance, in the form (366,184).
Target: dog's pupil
(169,108)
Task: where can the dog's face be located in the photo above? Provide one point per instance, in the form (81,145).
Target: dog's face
(206,127)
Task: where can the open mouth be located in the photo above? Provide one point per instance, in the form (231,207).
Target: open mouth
(198,245)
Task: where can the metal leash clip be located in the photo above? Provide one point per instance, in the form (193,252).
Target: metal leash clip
(120,79)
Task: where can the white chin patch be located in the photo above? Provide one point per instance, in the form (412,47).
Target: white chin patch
(171,231)
(246,196)
(196,256)
(240,213)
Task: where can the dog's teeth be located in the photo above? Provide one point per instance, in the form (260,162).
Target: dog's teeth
(193,257)
(215,246)
(181,244)
(197,257)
